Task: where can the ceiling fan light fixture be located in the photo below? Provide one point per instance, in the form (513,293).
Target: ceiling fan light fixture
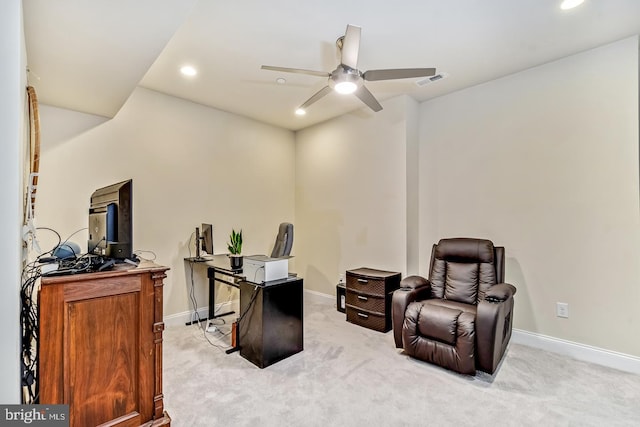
(345,87)
(570,4)
(345,80)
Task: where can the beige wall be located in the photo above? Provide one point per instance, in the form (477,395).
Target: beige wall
(545,162)
(189,163)
(351,195)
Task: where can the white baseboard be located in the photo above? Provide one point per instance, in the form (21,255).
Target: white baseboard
(586,353)
(320,294)
(180,319)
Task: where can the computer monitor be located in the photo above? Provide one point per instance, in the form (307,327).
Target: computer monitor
(110,221)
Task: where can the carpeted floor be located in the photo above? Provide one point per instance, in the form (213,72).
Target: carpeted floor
(351,376)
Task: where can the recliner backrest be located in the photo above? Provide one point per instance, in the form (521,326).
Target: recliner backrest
(463,269)
(284,241)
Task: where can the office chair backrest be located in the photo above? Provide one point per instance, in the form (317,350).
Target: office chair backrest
(284,241)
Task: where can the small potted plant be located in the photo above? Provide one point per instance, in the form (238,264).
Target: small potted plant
(235,248)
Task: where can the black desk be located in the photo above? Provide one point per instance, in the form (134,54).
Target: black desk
(217,266)
(271,329)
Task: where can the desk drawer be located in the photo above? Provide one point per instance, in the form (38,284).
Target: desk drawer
(367,285)
(366,302)
(374,321)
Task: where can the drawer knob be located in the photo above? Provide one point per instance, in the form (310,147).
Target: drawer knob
(363,281)
(360,297)
(363,315)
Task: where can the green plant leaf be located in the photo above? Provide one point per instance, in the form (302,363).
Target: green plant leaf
(235,244)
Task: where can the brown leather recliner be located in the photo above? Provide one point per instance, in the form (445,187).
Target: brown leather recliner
(461,317)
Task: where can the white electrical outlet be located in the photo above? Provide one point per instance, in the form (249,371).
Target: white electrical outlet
(562,309)
(341,278)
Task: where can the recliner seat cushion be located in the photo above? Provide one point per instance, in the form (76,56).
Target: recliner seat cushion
(467,308)
(439,323)
(459,356)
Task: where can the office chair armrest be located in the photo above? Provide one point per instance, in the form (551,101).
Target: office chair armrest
(500,292)
(412,288)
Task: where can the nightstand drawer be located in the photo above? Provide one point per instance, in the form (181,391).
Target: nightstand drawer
(366,302)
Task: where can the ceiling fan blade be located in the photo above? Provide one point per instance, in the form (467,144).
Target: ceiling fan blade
(296,70)
(351,46)
(319,94)
(398,73)
(368,98)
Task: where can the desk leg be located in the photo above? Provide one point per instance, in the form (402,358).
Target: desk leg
(211,274)
(235,335)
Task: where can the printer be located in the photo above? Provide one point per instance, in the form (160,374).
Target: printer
(261,268)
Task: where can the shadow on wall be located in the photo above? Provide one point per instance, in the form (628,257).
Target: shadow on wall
(319,280)
(195,285)
(321,249)
(64,125)
(194,282)
(522,299)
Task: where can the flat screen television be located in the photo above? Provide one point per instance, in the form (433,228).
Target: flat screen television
(110,221)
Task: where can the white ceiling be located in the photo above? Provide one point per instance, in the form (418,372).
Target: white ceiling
(90,55)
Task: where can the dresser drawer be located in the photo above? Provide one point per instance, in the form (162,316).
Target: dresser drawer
(377,322)
(365,284)
(366,302)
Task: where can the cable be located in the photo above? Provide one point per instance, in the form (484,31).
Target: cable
(29,328)
(253,298)
(138,252)
(90,251)
(50,252)
(74,233)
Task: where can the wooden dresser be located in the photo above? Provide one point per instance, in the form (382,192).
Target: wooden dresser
(368,297)
(101,346)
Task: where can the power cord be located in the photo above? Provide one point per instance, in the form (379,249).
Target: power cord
(31,273)
(139,252)
(194,303)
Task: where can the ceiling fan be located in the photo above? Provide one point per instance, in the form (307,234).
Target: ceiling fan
(346,78)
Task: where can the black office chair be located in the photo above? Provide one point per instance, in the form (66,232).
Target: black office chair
(284,241)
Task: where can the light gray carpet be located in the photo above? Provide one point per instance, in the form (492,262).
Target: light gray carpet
(351,376)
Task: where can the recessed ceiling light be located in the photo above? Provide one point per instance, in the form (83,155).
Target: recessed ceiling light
(188,70)
(570,4)
(300,112)
(280,81)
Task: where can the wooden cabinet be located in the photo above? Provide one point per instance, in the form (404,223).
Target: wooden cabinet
(101,346)
(368,297)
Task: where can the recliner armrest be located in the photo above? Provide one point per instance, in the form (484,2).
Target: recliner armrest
(500,292)
(412,288)
(414,282)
